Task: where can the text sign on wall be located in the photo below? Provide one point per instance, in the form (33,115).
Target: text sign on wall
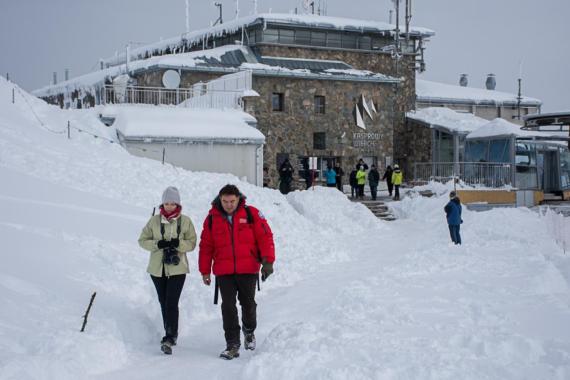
(366,140)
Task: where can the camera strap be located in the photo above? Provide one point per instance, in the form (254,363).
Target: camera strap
(178,226)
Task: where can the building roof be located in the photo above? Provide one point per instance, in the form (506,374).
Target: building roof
(447,119)
(225,59)
(502,128)
(230,27)
(176,123)
(434,92)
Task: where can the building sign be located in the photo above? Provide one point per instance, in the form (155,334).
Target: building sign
(366,140)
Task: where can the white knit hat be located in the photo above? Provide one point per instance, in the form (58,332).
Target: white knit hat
(171,195)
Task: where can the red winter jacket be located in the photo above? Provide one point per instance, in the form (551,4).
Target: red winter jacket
(234,248)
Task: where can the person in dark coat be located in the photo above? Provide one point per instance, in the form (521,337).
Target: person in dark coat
(361,163)
(285,176)
(453,213)
(373,179)
(353,184)
(309,175)
(339,174)
(388,177)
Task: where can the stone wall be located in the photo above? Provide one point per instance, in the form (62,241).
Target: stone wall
(416,147)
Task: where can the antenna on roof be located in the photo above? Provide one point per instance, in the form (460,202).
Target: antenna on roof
(408,19)
(519,97)
(187,17)
(220,19)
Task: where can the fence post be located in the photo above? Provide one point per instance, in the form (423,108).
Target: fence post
(68,130)
(163,154)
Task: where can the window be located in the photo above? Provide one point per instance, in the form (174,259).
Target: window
(277,102)
(319,104)
(334,40)
(318,38)
(365,43)
(319,140)
(271,35)
(302,37)
(564,168)
(348,41)
(476,151)
(500,151)
(286,36)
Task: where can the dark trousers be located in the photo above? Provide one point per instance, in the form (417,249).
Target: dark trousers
(353,190)
(169,290)
(397,192)
(390,187)
(242,286)
(339,183)
(454,233)
(361,191)
(373,191)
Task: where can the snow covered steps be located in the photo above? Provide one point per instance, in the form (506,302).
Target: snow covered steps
(378,208)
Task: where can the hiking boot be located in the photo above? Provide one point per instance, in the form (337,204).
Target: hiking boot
(172,340)
(249,341)
(230,352)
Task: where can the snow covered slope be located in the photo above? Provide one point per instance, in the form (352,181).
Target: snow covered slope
(352,297)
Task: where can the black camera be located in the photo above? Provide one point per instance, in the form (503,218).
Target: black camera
(170,256)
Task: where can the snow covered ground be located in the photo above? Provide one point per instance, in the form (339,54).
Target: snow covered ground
(352,297)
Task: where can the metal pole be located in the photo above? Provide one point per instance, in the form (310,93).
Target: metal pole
(163,154)
(8,77)
(68,130)
(13,95)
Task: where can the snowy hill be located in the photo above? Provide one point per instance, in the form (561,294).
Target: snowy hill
(352,297)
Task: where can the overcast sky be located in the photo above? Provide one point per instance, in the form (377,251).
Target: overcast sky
(476,37)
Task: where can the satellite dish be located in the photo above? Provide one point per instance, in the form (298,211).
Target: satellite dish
(171,79)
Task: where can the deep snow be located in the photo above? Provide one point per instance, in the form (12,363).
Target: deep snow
(352,297)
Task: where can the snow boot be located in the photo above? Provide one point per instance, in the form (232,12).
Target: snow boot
(230,352)
(166,345)
(249,341)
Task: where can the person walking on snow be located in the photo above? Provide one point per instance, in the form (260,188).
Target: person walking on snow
(388,177)
(235,242)
(453,213)
(397,181)
(353,183)
(373,179)
(168,236)
(361,181)
(330,174)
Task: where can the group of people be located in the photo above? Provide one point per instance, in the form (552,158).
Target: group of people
(235,245)
(393,178)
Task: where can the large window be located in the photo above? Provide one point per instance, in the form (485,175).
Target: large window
(500,151)
(319,104)
(348,41)
(286,36)
(303,37)
(564,168)
(277,102)
(365,43)
(271,35)
(334,40)
(525,160)
(318,38)
(476,151)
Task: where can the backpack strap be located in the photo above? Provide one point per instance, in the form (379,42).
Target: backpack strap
(178,227)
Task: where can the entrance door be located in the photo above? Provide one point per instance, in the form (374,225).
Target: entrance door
(551,172)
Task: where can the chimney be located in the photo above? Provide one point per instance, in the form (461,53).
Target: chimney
(491,83)
(463,82)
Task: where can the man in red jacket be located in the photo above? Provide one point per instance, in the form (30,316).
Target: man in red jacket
(236,241)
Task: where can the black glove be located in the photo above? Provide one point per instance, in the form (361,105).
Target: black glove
(266,270)
(163,244)
(174,243)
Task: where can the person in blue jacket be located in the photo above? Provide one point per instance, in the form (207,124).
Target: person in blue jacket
(453,212)
(330,174)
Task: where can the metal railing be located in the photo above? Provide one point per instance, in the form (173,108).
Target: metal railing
(486,174)
(196,97)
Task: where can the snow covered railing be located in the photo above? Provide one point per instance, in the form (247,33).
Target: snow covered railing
(196,97)
(486,174)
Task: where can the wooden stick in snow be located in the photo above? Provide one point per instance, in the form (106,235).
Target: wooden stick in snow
(87,312)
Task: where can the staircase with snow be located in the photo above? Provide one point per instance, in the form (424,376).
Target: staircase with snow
(378,208)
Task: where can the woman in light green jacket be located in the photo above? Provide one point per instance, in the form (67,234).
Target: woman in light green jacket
(168,236)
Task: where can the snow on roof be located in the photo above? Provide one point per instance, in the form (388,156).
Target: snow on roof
(230,27)
(186,123)
(441,92)
(500,127)
(448,119)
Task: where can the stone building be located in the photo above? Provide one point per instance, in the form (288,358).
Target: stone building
(336,89)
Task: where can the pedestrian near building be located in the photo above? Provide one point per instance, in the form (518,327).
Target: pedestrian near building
(168,236)
(361,163)
(453,214)
(397,181)
(373,179)
(339,175)
(353,183)
(236,241)
(361,181)
(330,175)
(388,177)
(285,176)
